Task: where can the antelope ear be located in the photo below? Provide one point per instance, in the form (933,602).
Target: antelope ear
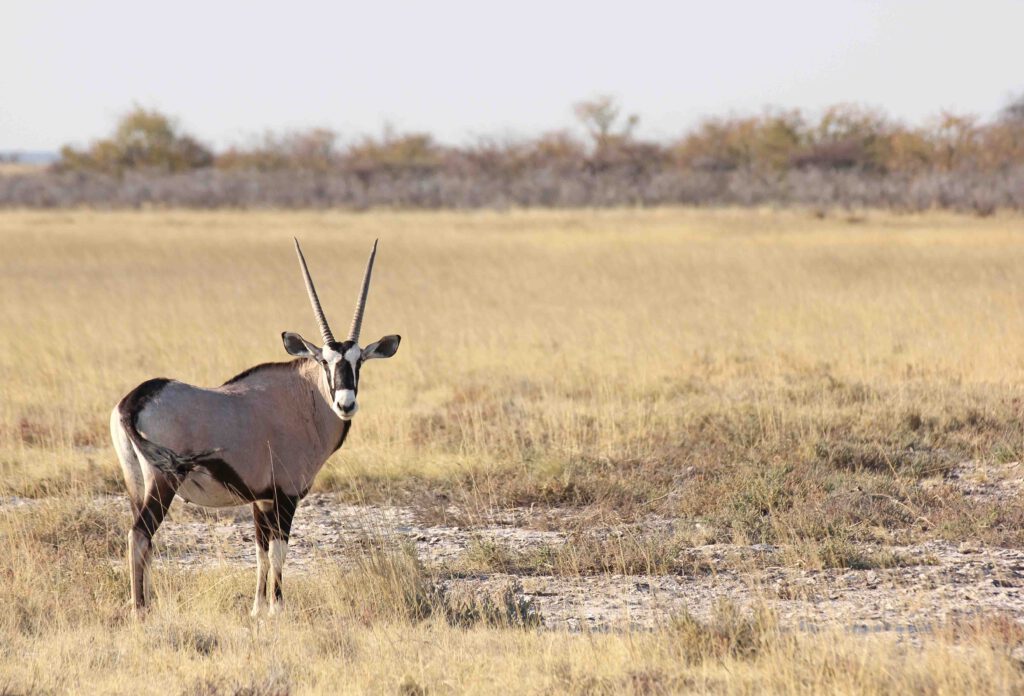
(384,348)
(299,347)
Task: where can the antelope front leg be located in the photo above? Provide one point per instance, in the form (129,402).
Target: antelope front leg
(273,525)
(278,551)
(262,567)
(263,535)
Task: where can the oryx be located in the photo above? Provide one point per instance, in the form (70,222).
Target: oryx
(259,438)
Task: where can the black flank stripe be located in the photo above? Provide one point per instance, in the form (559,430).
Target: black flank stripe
(225,474)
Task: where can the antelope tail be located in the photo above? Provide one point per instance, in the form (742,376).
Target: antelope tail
(163,458)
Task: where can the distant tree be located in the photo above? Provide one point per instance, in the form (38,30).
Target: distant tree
(600,117)
(558,149)
(909,150)
(779,135)
(314,149)
(956,139)
(769,141)
(557,144)
(311,150)
(266,153)
(490,156)
(143,139)
(847,136)
(394,152)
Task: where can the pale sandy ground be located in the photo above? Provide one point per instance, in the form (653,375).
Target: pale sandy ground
(938,581)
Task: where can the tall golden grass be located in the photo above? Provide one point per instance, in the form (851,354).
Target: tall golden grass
(774,375)
(578,331)
(544,353)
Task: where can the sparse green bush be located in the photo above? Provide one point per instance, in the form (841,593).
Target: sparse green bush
(143,139)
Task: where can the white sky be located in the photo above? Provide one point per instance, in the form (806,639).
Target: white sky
(231,70)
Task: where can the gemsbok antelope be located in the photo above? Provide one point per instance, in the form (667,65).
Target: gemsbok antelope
(259,438)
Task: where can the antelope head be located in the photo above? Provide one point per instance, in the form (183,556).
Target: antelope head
(340,360)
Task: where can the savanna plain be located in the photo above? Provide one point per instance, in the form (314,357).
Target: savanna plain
(626,451)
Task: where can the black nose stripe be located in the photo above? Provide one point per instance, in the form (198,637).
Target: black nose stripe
(344,376)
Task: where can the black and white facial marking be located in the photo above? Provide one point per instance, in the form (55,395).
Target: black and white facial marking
(340,363)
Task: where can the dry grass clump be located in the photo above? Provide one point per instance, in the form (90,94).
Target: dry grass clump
(502,605)
(840,552)
(267,686)
(56,567)
(389,582)
(628,551)
(729,633)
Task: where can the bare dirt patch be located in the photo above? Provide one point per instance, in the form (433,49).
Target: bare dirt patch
(927,586)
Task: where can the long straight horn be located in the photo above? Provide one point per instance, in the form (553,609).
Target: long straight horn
(357,318)
(321,320)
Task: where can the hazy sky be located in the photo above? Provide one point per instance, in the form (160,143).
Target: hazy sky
(231,70)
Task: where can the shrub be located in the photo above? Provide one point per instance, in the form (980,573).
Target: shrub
(848,156)
(143,140)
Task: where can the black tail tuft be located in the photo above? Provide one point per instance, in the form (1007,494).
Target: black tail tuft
(167,460)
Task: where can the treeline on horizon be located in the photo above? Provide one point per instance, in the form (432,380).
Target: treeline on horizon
(848,156)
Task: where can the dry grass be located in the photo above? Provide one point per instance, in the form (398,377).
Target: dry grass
(386,626)
(774,376)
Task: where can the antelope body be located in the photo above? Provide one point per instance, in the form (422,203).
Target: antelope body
(260,438)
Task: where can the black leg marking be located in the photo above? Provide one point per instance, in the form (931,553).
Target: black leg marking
(275,524)
(140,540)
(158,501)
(263,529)
(282,515)
(262,562)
